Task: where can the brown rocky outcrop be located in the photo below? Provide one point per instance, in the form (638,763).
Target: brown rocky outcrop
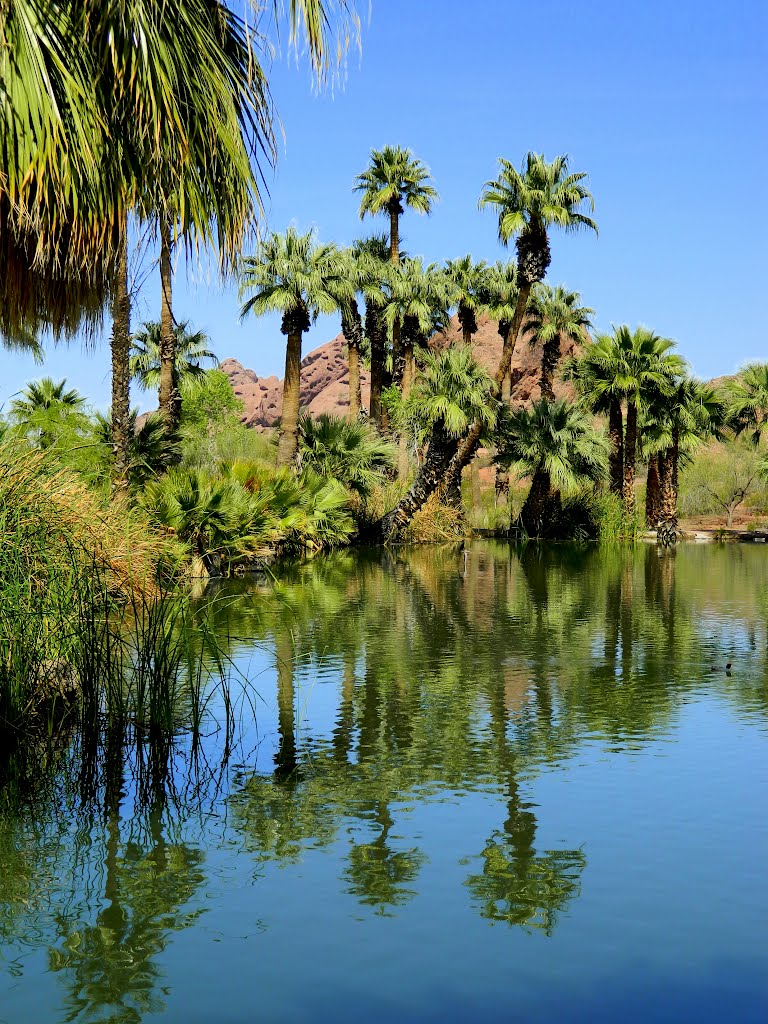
(325,376)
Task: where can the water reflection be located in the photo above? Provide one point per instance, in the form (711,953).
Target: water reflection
(400,681)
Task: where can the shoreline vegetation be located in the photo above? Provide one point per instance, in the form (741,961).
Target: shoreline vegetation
(104,517)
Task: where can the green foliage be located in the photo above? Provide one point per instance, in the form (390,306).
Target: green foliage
(208,403)
(747,399)
(352,453)
(294,275)
(395,179)
(451,389)
(248,512)
(720,479)
(190,352)
(540,193)
(150,449)
(49,414)
(556,438)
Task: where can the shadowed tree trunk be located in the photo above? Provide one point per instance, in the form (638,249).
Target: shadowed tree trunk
(294,325)
(468,322)
(630,451)
(652,493)
(375,334)
(534,512)
(121,346)
(352,329)
(169,386)
(550,357)
(502,476)
(616,457)
(667,497)
(430,475)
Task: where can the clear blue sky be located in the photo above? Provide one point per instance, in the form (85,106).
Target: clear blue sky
(663,104)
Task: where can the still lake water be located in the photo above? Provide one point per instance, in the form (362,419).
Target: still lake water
(467,785)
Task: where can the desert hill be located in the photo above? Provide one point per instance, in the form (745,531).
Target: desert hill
(325,375)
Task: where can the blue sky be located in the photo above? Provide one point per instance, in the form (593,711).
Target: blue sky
(664,105)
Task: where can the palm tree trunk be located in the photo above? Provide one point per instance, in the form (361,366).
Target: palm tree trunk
(285,758)
(428,478)
(376,338)
(355,402)
(534,513)
(667,496)
(121,346)
(630,450)
(616,436)
(288,444)
(169,396)
(652,493)
(550,356)
(352,329)
(675,466)
(471,442)
(394,233)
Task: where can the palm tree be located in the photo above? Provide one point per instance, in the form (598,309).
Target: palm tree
(151,450)
(394,180)
(45,408)
(554,315)
(528,202)
(556,444)
(417,301)
(96,126)
(351,452)
(295,276)
(748,401)
(352,326)
(673,426)
(371,255)
(451,392)
(190,351)
(468,281)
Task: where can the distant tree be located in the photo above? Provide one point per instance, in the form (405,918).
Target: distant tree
(554,315)
(371,255)
(295,276)
(395,179)
(747,398)
(468,281)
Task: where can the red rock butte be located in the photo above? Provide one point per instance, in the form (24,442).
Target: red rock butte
(325,375)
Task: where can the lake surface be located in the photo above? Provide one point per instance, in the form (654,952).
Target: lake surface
(465,785)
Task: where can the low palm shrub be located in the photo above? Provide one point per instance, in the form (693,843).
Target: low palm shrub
(351,452)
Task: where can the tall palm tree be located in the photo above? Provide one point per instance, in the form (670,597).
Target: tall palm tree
(294,275)
(468,281)
(394,179)
(528,202)
(450,393)
(748,401)
(190,352)
(371,255)
(556,444)
(554,315)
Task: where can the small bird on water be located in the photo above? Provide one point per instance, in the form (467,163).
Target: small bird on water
(721,668)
